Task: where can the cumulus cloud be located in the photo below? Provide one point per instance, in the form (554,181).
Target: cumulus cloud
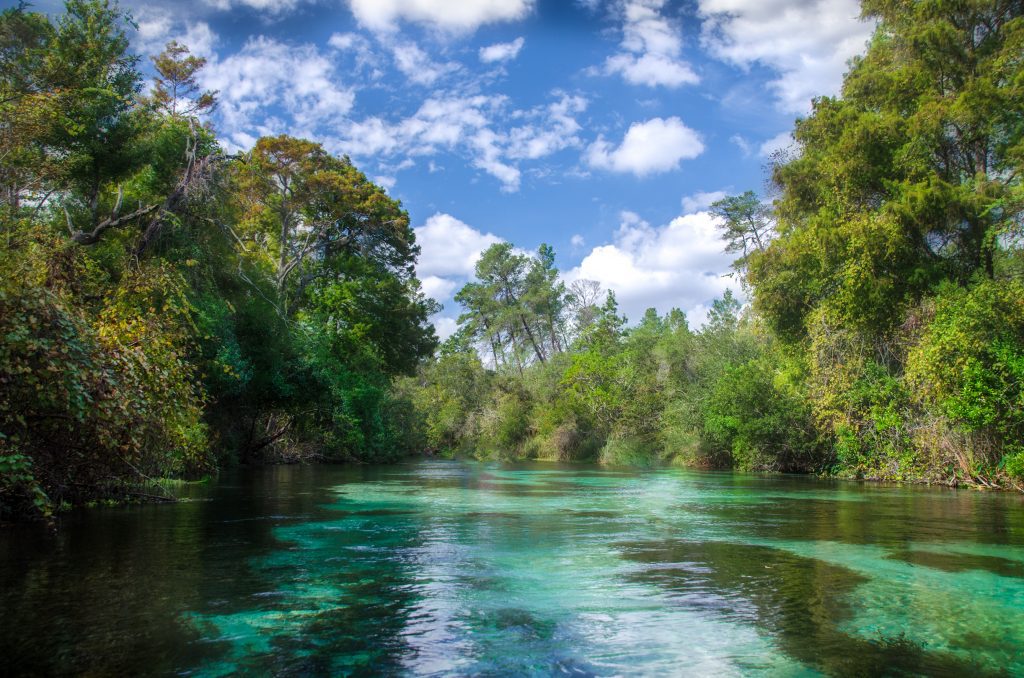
(487,144)
(681,264)
(436,287)
(552,129)
(452,123)
(461,16)
(701,200)
(361,51)
(266,75)
(651,48)
(386,181)
(502,51)
(444,325)
(657,145)
(450,248)
(808,43)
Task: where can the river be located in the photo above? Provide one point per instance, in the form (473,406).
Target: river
(458,568)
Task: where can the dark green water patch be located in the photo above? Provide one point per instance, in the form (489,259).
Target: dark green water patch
(801,601)
(961,562)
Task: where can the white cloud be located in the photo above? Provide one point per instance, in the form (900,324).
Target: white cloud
(556,129)
(437,287)
(417,65)
(577,241)
(439,122)
(481,127)
(656,145)
(701,200)
(449,247)
(779,142)
(360,49)
(651,48)
(268,6)
(502,51)
(449,250)
(386,181)
(487,144)
(157,27)
(741,144)
(266,74)
(808,42)
(681,264)
(447,15)
(347,41)
(444,325)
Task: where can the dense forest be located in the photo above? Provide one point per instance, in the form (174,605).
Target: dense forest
(885,334)
(168,307)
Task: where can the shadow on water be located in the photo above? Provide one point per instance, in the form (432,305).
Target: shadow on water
(962,562)
(105,593)
(802,602)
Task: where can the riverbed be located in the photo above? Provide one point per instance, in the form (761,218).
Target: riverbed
(462,568)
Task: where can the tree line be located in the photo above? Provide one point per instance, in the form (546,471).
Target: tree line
(167,307)
(885,334)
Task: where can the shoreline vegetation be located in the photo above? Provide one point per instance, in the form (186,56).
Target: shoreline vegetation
(169,308)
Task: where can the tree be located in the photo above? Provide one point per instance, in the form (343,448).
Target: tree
(911,177)
(546,297)
(157,295)
(175,90)
(301,206)
(24,37)
(510,305)
(581,301)
(745,223)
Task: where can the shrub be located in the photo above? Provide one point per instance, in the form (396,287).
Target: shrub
(969,362)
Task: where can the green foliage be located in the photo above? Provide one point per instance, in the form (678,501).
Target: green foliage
(1013,465)
(885,335)
(873,436)
(896,266)
(745,224)
(161,300)
(91,400)
(761,425)
(969,362)
(628,452)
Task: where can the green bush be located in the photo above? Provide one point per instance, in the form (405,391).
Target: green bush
(91,405)
(873,437)
(629,451)
(762,426)
(969,362)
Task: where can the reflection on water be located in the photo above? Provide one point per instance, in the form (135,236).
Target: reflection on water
(453,568)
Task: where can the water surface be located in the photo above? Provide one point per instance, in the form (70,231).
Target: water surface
(450,568)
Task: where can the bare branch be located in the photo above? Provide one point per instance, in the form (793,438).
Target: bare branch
(93,236)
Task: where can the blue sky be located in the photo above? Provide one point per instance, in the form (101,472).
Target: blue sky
(602,127)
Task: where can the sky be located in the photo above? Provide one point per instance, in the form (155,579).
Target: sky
(604,128)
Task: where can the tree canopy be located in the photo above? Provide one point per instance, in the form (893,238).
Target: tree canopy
(167,307)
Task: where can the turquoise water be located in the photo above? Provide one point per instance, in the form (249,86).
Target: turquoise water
(449,568)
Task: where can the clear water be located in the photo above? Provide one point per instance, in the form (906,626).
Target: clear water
(449,568)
